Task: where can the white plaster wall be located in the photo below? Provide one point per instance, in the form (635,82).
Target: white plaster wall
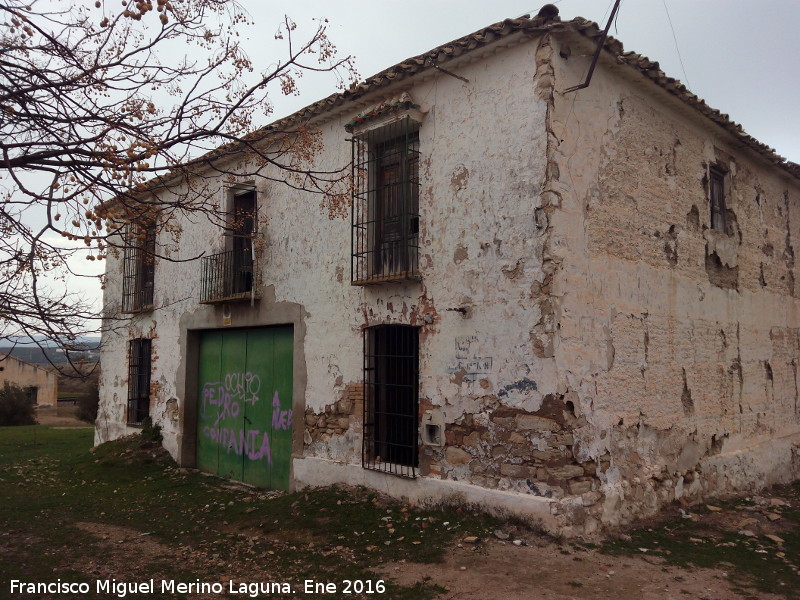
(483,152)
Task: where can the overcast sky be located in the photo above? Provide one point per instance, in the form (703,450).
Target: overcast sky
(738,55)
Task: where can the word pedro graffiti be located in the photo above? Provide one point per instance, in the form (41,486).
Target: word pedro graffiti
(224,401)
(237,387)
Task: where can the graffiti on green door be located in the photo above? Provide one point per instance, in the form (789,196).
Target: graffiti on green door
(225,399)
(244,414)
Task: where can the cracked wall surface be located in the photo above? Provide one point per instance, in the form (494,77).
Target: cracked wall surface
(670,332)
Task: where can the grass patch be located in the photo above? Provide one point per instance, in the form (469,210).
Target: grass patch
(719,539)
(125,510)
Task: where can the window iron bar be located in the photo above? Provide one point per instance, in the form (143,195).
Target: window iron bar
(391,400)
(138,268)
(139,380)
(385,209)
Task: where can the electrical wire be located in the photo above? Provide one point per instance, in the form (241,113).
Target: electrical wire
(680,58)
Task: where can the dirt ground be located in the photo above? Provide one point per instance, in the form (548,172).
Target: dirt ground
(502,571)
(522,567)
(490,568)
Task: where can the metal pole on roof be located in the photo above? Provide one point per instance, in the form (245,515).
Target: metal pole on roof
(600,43)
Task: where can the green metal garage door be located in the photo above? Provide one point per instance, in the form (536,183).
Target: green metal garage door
(244,412)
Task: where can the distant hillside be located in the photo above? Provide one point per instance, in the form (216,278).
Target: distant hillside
(52,354)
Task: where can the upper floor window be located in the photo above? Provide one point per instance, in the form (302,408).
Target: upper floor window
(242,227)
(139,360)
(229,275)
(385,236)
(716,191)
(139,268)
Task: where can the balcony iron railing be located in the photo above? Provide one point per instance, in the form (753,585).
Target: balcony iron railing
(228,276)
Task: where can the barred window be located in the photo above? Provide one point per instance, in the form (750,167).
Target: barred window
(385,237)
(139,268)
(391,399)
(139,380)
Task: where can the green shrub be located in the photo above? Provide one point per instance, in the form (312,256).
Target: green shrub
(150,432)
(16,407)
(87,405)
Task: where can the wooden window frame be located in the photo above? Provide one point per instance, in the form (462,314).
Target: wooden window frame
(241,229)
(232,275)
(717,197)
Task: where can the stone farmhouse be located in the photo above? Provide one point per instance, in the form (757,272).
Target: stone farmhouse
(575,307)
(40,383)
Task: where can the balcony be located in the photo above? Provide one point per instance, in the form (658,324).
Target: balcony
(228,277)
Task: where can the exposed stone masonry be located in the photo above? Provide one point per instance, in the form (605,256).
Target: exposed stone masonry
(337,418)
(509,448)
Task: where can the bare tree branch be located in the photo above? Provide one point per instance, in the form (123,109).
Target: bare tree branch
(90,113)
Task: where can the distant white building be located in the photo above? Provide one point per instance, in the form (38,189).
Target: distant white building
(572,306)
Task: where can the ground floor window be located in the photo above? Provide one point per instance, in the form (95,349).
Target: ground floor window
(139,380)
(391,394)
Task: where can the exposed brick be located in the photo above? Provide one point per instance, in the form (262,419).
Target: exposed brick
(520,452)
(473,439)
(449,436)
(517,438)
(590,498)
(507,422)
(561,439)
(551,455)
